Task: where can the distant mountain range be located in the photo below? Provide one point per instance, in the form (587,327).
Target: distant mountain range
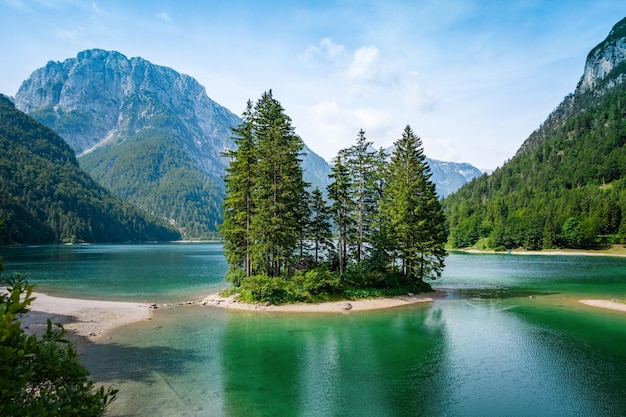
(154,137)
(566,185)
(46,198)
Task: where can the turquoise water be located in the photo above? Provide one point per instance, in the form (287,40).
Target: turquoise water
(511,339)
(141,272)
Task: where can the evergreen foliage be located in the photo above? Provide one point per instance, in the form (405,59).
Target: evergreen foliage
(152,171)
(412,212)
(264,218)
(341,207)
(240,181)
(41,377)
(46,198)
(362,163)
(320,227)
(278,237)
(565,188)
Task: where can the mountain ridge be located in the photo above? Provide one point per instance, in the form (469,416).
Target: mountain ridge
(46,198)
(566,185)
(109,108)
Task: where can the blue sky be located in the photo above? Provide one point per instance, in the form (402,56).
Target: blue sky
(472,78)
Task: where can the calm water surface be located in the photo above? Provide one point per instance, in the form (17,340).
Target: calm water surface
(511,339)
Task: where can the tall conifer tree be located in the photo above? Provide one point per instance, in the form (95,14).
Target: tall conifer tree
(341,208)
(361,163)
(278,218)
(240,180)
(320,226)
(413,212)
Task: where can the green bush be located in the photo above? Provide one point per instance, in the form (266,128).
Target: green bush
(41,377)
(317,281)
(306,286)
(261,288)
(235,276)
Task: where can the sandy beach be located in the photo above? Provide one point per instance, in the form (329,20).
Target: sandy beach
(82,319)
(611,305)
(616,250)
(329,307)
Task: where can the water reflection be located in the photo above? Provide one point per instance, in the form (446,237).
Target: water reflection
(358,364)
(488,349)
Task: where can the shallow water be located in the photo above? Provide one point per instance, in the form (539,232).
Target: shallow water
(510,340)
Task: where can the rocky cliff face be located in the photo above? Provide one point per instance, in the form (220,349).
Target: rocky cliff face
(102,96)
(152,135)
(605,58)
(605,68)
(450,176)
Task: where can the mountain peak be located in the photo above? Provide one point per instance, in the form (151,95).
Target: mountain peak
(604,58)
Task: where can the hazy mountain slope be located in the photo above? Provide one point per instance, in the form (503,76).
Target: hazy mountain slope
(450,176)
(566,186)
(46,198)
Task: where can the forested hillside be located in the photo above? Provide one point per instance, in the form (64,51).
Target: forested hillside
(46,198)
(566,186)
(148,133)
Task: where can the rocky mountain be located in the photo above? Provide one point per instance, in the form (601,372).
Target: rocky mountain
(154,137)
(566,185)
(604,59)
(46,198)
(150,134)
(450,176)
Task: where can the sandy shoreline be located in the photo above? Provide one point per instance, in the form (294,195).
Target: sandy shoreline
(328,307)
(565,252)
(82,319)
(90,320)
(611,305)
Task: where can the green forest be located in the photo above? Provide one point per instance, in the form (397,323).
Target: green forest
(382,232)
(565,188)
(46,198)
(153,171)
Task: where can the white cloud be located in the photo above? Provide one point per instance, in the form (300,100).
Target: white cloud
(164,16)
(416,94)
(325,49)
(365,64)
(331,49)
(330,127)
(97,10)
(70,34)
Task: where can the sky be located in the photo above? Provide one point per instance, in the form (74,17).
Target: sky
(472,78)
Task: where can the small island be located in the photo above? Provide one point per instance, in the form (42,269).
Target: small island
(382,233)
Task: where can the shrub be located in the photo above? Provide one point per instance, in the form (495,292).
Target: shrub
(41,377)
(301,287)
(261,288)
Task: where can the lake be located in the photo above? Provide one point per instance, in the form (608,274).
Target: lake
(511,339)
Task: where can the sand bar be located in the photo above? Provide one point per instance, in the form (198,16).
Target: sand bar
(611,305)
(90,319)
(328,307)
(615,252)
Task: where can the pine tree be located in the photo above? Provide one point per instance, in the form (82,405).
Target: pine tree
(240,179)
(320,225)
(379,257)
(361,163)
(278,219)
(339,193)
(415,219)
(305,214)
